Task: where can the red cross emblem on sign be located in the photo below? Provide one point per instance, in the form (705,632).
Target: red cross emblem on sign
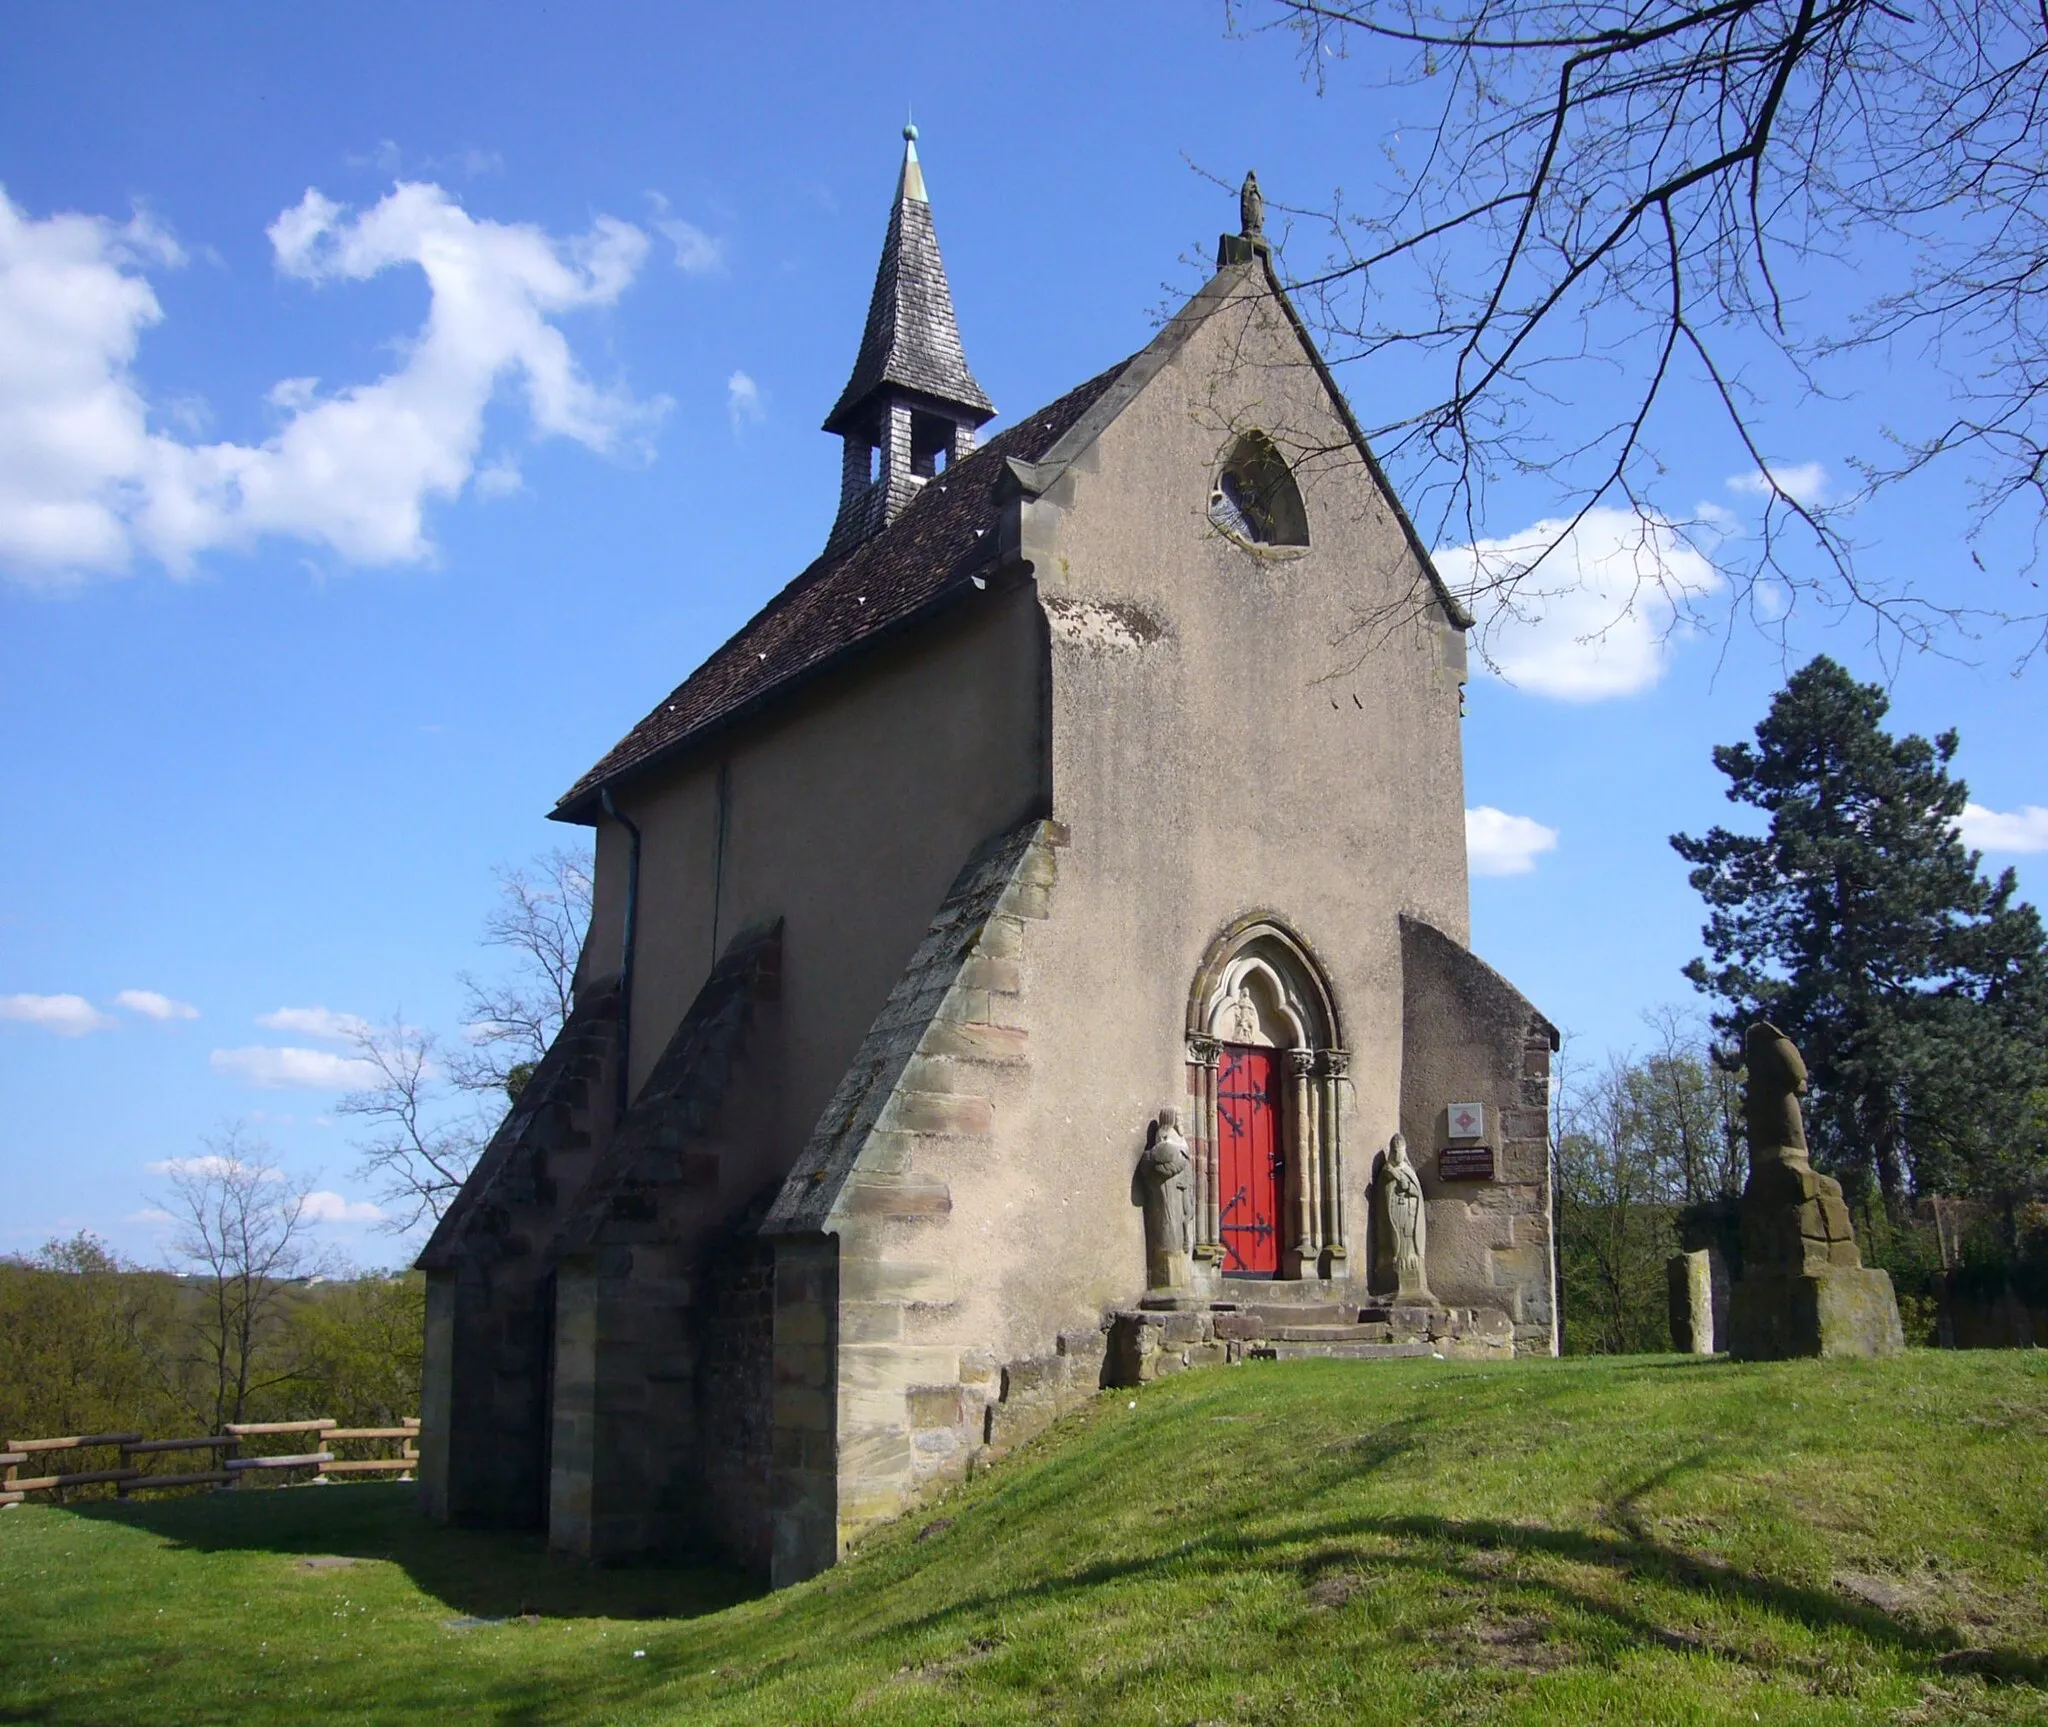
(1468,1120)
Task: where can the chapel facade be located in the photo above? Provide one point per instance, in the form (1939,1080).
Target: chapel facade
(1013,955)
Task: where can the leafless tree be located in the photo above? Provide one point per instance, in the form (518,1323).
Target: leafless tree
(422,1141)
(430,1104)
(243,1228)
(1618,207)
(542,913)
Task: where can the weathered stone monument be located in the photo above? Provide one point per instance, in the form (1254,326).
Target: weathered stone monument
(1691,1279)
(1804,1289)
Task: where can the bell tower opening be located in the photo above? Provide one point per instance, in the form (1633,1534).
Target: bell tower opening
(911,408)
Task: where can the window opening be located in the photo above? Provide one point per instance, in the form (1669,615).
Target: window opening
(1255,499)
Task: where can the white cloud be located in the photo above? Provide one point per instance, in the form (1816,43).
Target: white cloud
(277,1069)
(209,1163)
(326,1207)
(1497,843)
(499,478)
(87,484)
(2020,830)
(1597,617)
(152,1005)
(1803,482)
(66,1015)
(316,1022)
(743,404)
(697,253)
(466,163)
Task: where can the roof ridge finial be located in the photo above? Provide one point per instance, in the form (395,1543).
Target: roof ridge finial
(911,185)
(1251,207)
(1249,242)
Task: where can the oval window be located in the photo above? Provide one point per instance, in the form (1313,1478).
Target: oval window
(1255,498)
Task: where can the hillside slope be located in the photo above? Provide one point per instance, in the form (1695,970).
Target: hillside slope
(1640,1540)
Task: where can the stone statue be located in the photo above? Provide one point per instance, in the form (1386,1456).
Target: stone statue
(1168,1175)
(1770,1102)
(1404,1221)
(1251,209)
(1804,1289)
(1793,1219)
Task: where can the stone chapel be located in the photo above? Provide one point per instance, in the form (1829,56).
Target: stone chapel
(1014,955)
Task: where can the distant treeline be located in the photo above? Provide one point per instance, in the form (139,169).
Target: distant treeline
(90,1344)
(1651,1161)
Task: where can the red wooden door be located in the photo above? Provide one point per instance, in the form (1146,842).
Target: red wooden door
(1248,1158)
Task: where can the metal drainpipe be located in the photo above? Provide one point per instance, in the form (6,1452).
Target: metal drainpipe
(626,947)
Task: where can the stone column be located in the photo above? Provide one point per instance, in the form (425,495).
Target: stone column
(1204,1053)
(1301,1063)
(1336,1251)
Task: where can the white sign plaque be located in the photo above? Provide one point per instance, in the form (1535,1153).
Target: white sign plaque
(1468,1120)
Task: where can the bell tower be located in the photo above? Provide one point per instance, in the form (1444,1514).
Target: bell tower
(911,407)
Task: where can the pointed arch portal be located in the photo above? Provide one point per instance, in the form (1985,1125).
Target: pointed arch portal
(1265,1076)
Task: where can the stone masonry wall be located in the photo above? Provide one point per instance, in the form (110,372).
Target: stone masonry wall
(658,1248)
(1470,1037)
(911,1405)
(490,1292)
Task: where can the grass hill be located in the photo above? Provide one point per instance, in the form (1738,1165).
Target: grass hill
(1627,1540)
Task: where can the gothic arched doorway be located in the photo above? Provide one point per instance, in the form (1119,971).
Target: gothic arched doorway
(1264,1076)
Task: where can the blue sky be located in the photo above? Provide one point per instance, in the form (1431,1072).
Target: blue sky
(512,329)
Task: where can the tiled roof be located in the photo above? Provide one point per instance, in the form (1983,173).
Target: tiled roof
(912,339)
(839,601)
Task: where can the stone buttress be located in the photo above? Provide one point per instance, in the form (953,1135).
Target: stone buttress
(660,1432)
(490,1284)
(878,1397)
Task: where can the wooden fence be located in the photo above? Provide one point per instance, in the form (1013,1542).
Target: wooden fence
(231,1466)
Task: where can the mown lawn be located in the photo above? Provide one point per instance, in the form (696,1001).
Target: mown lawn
(1637,1540)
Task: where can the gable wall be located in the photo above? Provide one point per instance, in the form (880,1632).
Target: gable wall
(1246,751)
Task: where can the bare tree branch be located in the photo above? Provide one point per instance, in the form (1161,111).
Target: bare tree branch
(542,914)
(1597,191)
(417,1155)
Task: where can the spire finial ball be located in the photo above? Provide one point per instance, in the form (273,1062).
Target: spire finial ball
(909,133)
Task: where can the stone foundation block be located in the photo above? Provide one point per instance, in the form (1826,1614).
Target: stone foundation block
(1846,1312)
(1012,1424)
(934,1406)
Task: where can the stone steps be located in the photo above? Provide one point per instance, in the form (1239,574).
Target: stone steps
(1329,1333)
(1279,1350)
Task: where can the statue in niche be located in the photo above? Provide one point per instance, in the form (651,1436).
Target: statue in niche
(1244,1018)
(1167,1174)
(1404,1223)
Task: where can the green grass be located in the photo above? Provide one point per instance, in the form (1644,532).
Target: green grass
(1636,1540)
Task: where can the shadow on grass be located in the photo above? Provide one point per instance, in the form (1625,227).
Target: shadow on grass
(477,1573)
(1470,1551)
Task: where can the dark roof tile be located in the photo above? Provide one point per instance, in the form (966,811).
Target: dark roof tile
(842,600)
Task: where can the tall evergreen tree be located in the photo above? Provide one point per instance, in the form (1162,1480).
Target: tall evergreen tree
(1862,926)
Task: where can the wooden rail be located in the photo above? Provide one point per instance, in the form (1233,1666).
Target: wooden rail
(231,1467)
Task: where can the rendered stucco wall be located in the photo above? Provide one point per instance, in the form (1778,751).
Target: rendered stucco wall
(846,816)
(1225,739)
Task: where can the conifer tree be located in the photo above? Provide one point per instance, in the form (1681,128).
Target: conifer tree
(1862,926)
